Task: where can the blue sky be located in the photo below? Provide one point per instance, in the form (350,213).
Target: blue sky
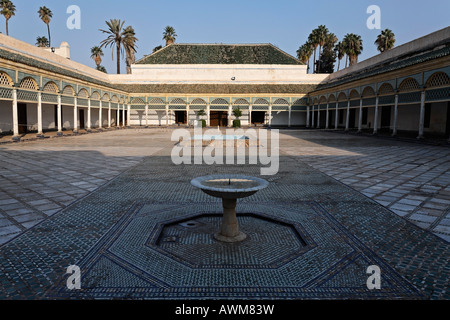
(284,23)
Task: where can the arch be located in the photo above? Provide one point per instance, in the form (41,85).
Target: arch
(156,101)
(438,79)
(280,102)
(386,88)
(137,101)
(50,87)
(332,98)
(368,92)
(409,84)
(95,95)
(105,97)
(354,95)
(315,101)
(198,101)
(261,101)
(342,96)
(219,101)
(241,102)
(83,93)
(28,83)
(122,100)
(177,101)
(68,91)
(323,100)
(114,99)
(5,80)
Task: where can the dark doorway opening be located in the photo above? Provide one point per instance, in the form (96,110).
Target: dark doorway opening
(218,118)
(258,117)
(180,117)
(22,117)
(81,119)
(352,119)
(385,117)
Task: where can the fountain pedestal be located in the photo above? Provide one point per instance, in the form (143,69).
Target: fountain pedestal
(229,188)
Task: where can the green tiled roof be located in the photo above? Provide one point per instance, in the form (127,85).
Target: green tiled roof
(220,54)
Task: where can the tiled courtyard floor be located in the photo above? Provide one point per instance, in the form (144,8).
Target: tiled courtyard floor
(111,202)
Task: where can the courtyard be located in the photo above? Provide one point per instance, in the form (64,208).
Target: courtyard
(114,204)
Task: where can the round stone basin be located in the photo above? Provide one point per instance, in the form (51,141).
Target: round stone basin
(229,187)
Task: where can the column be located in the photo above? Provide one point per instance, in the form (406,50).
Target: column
(289,117)
(270,115)
(230,110)
(250,115)
(88,125)
(39,115)
(208,115)
(109,115)
(167,115)
(307,116)
(394,129)
(360,115)
(327,118)
(123,116)
(100,118)
(318,116)
(312,118)
(59,116)
(336,118)
(117,115)
(15,114)
(146,115)
(187,115)
(375,120)
(422,115)
(347,117)
(75,115)
(129,116)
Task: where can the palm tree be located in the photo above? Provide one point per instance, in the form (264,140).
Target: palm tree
(8,9)
(385,40)
(96,55)
(353,47)
(321,37)
(313,40)
(340,53)
(169,35)
(102,69)
(129,43)
(120,38)
(46,14)
(42,42)
(304,53)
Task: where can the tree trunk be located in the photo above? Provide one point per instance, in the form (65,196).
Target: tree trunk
(339,63)
(346,60)
(314,62)
(7,31)
(49,38)
(318,62)
(118,58)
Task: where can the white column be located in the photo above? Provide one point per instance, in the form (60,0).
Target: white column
(75,115)
(422,115)
(327,118)
(167,115)
(375,120)
(88,125)
(250,115)
(230,110)
(146,115)
(208,115)
(15,114)
(39,114)
(289,117)
(187,115)
(129,115)
(394,129)
(59,112)
(117,115)
(347,117)
(123,116)
(360,115)
(308,115)
(336,118)
(109,115)
(270,115)
(100,118)
(312,118)
(318,116)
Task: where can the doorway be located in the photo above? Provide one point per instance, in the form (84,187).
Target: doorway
(81,118)
(180,117)
(258,117)
(218,118)
(22,118)
(385,117)
(352,118)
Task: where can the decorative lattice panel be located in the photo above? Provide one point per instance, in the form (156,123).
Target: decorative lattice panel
(175,107)
(105,97)
(385,89)
(95,103)
(219,101)
(156,107)
(50,87)
(342,105)
(369,102)
(114,105)
(83,94)
(28,83)
(137,107)
(5,80)
(68,91)
(52,98)
(368,92)
(439,79)
(6,93)
(178,101)
(114,99)
(82,102)
(156,101)
(412,97)
(198,102)
(241,102)
(409,84)
(95,96)
(384,100)
(262,108)
(67,100)
(300,102)
(280,102)
(280,108)
(354,95)
(442,94)
(332,98)
(323,106)
(298,108)
(24,95)
(355,103)
(197,107)
(342,97)
(261,102)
